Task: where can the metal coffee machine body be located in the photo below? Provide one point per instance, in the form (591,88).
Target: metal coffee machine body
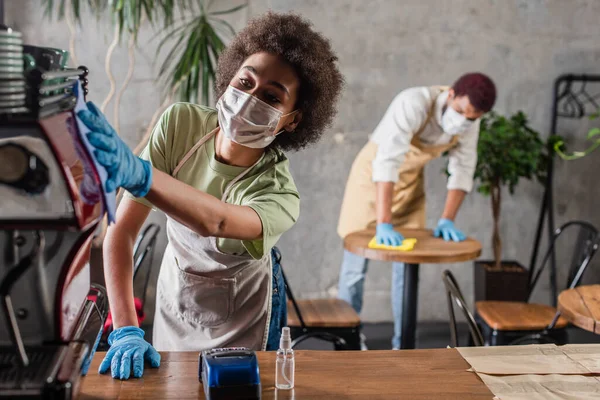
(51,316)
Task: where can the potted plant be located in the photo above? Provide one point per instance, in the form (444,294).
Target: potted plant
(508,150)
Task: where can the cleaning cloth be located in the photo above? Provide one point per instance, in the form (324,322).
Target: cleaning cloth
(407,245)
(110,199)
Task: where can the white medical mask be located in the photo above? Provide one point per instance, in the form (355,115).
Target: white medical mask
(453,122)
(249,121)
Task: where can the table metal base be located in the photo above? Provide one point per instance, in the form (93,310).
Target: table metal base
(409,306)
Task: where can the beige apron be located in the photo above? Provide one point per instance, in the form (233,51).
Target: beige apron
(408,203)
(205,298)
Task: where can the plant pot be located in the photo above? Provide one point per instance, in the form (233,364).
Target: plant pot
(508,283)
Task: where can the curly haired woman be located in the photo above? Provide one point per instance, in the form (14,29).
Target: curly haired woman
(223,181)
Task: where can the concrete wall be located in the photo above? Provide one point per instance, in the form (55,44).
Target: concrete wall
(385,46)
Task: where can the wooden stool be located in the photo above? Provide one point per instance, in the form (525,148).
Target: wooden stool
(516,316)
(332,320)
(321,313)
(581,306)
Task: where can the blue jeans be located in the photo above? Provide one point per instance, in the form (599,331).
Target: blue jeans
(278,304)
(351,288)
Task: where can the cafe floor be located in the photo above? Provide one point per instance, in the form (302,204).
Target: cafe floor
(430,335)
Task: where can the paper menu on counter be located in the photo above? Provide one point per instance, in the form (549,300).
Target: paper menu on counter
(515,360)
(109,199)
(542,387)
(588,355)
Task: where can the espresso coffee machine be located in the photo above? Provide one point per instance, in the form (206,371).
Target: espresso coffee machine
(51,316)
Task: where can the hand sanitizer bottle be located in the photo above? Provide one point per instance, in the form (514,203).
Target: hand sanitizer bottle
(284,369)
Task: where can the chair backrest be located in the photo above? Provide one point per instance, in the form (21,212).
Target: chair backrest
(143,252)
(586,245)
(288,289)
(454,295)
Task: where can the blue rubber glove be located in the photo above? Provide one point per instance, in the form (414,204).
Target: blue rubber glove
(386,235)
(123,167)
(448,231)
(127,346)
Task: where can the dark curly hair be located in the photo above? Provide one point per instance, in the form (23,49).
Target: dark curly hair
(292,38)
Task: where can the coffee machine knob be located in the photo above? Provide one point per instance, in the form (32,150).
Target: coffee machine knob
(22,169)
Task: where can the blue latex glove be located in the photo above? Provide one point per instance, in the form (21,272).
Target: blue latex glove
(123,167)
(386,235)
(448,231)
(127,345)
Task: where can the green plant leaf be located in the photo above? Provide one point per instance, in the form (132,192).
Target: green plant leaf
(484,189)
(216,44)
(74,5)
(49,6)
(76,10)
(193,62)
(61,7)
(148,9)
(206,74)
(228,11)
(225,24)
(576,154)
(593,132)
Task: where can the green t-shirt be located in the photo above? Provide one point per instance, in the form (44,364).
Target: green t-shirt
(268,188)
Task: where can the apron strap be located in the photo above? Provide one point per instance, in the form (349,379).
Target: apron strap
(199,144)
(237,179)
(430,112)
(415,141)
(189,154)
(455,140)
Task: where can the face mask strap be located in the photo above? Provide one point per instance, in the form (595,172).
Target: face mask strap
(284,120)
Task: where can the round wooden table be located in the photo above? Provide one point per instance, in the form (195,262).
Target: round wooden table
(581,307)
(428,249)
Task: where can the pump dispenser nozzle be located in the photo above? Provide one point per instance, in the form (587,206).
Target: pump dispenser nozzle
(285,342)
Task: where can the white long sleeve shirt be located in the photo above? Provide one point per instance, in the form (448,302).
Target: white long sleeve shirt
(403,119)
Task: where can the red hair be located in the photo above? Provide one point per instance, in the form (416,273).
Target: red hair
(480,89)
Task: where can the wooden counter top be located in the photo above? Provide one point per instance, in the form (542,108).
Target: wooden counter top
(408,374)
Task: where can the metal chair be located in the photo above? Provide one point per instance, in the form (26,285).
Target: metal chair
(524,322)
(454,295)
(331,320)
